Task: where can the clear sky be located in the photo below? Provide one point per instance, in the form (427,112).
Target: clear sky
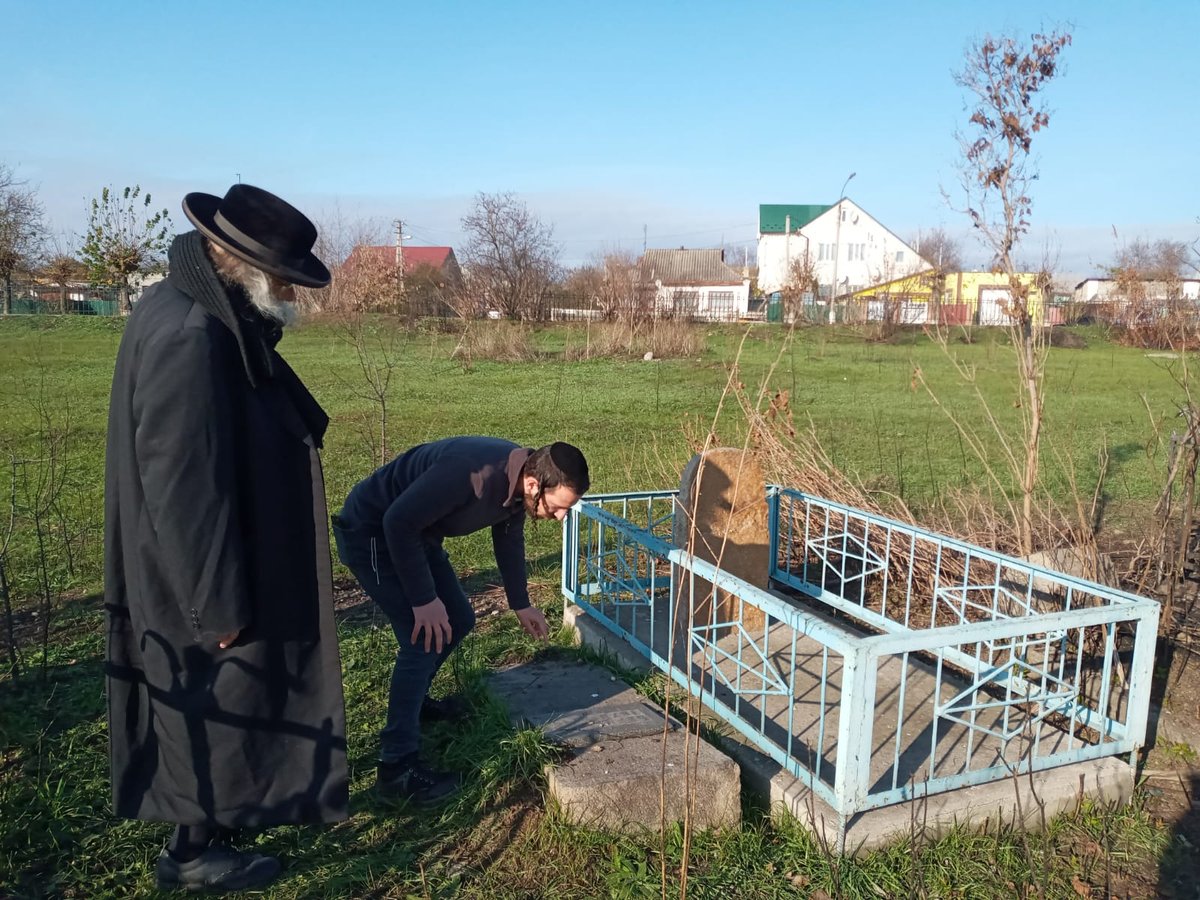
(606,118)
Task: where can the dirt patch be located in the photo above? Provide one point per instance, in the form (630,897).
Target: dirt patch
(352,606)
(71,618)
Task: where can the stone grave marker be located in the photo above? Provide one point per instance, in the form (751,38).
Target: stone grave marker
(721,517)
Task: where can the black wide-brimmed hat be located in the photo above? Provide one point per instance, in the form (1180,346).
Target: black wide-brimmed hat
(262,229)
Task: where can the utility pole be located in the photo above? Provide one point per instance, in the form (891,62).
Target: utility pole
(837,242)
(643,239)
(400,235)
(787,247)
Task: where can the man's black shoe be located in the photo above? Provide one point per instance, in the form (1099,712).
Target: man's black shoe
(411,781)
(218,870)
(449,709)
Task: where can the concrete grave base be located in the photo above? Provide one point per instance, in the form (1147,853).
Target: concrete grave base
(1023,801)
(591,634)
(1026,801)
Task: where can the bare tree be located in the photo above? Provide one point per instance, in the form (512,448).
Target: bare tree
(60,268)
(1162,260)
(365,271)
(124,237)
(511,256)
(941,250)
(610,287)
(428,290)
(1003,78)
(800,284)
(22,229)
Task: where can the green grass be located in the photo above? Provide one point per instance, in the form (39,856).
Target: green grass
(57,838)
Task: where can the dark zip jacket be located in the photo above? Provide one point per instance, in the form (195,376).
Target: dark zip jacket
(447,488)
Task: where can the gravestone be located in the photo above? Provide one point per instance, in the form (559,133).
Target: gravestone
(721,517)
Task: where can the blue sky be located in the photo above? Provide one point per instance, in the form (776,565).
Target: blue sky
(679,118)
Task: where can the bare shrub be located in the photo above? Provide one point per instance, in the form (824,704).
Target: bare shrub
(1148,308)
(379,343)
(50,516)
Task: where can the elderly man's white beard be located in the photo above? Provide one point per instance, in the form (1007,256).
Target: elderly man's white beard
(258,289)
(256,285)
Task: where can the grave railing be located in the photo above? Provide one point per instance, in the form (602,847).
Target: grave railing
(893,662)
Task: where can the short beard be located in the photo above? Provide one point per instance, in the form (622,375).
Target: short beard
(255,284)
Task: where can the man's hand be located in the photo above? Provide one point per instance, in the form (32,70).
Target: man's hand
(533,622)
(432,619)
(225,641)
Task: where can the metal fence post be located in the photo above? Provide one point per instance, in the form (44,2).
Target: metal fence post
(773,529)
(856,717)
(1141,676)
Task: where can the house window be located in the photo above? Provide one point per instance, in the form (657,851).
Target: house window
(686,302)
(855,252)
(899,256)
(721,305)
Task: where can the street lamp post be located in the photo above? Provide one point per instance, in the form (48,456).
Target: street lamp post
(837,246)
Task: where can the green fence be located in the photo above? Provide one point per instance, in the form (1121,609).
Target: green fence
(41,300)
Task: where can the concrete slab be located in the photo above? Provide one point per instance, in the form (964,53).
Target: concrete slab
(629,754)
(638,783)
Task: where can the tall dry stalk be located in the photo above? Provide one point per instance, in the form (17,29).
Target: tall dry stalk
(1003,78)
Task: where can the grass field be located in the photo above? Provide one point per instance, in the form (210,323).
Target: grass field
(633,419)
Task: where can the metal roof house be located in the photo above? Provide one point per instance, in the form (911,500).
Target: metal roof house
(696,284)
(841,242)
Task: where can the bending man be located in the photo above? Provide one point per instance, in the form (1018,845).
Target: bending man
(389,534)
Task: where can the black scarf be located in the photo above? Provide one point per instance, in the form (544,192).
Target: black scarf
(192,272)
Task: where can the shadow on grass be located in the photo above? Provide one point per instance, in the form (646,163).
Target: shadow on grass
(58,837)
(1179,869)
(391,846)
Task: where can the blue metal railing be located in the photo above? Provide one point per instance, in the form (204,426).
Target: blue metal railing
(890,663)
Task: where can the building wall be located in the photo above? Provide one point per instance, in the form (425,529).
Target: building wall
(965,298)
(1100,290)
(867,253)
(715,301)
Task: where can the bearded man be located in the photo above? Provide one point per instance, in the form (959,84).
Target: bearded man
(390,535)
(224,682)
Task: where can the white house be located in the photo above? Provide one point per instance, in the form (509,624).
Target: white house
(1106,290)
(695,283)
(842,242)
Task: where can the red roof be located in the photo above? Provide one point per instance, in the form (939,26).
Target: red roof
(413,256)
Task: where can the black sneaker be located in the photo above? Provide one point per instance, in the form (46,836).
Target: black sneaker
(411,781)
(449,709)
(219,869)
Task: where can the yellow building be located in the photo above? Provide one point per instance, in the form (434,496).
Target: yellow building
(949,298)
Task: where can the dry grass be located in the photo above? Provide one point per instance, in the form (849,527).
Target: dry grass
(795,457)
(664,338)
(499,341)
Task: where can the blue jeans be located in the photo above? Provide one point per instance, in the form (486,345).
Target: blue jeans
(364,553)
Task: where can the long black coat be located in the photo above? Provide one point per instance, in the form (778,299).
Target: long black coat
(215,522)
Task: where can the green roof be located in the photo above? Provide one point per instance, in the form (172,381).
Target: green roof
(773,217)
